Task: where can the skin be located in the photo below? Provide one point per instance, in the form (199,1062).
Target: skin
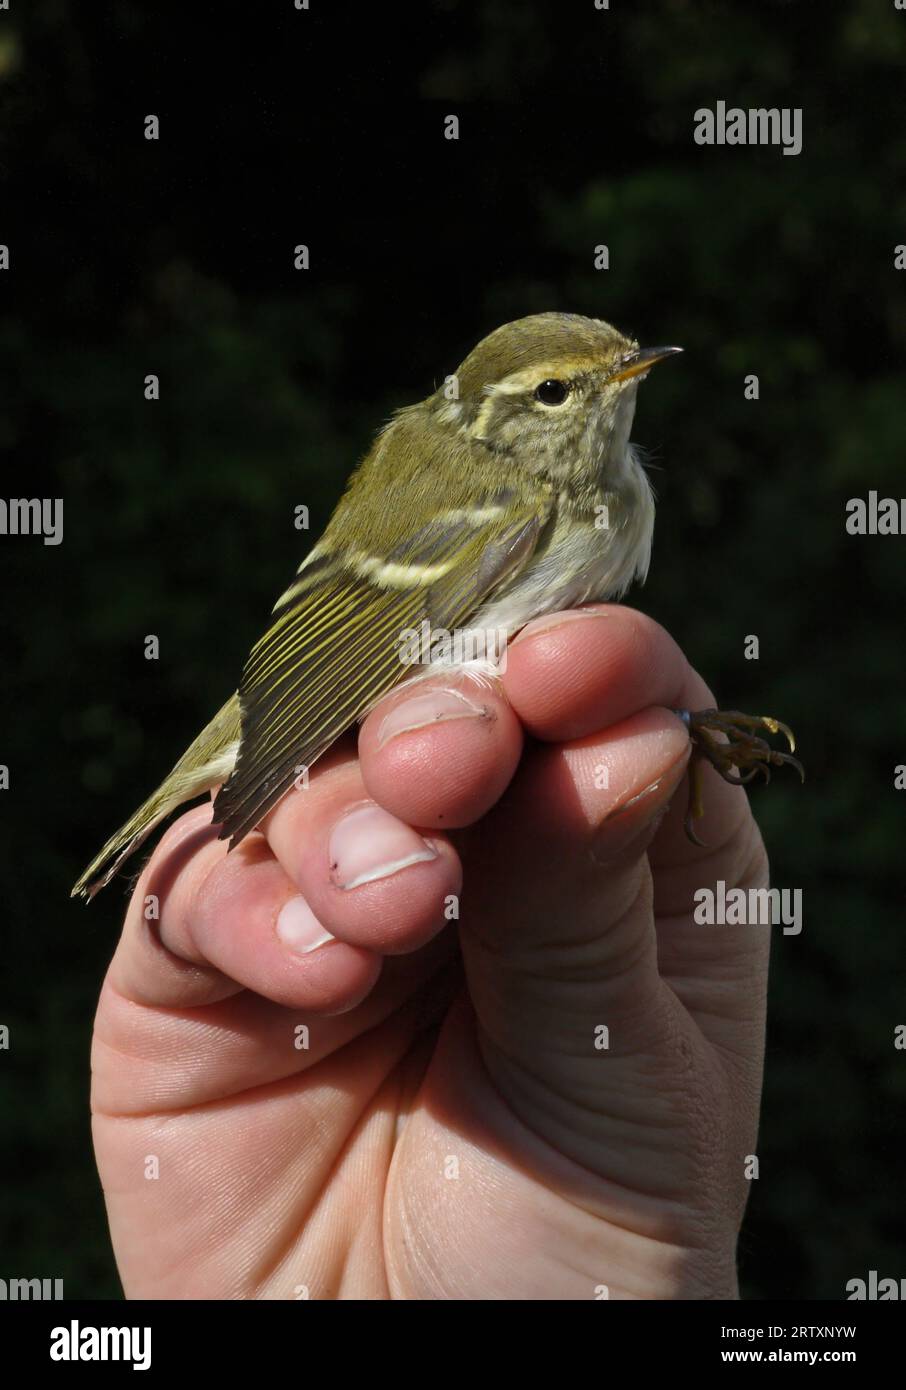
(451,1131)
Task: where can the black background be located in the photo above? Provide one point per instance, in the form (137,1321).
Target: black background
(176,257)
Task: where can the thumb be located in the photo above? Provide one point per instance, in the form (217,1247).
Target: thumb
(561,960)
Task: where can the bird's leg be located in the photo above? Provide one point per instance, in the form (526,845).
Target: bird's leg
(744,755)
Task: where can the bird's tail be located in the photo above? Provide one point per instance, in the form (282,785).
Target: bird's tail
(206,763)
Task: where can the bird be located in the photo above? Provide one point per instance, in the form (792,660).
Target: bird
(511,491)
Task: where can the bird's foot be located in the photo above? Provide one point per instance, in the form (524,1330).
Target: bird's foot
(744,755)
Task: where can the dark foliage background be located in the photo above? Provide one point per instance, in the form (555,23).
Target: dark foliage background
(278,127)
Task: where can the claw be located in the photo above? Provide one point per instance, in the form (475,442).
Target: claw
(777,726)
(742,758)
(696,808)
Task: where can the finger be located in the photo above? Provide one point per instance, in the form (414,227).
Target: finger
(718,972)
(567,673)
(571,673)
(578,815)
(204,924)
(171,1055)
(371,880)
(440,752)
(567,947)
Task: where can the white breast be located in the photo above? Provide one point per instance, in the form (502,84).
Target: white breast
(582,564)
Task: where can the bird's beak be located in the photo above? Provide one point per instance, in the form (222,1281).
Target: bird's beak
(640,361)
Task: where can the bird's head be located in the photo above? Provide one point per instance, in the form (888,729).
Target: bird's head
(556,391)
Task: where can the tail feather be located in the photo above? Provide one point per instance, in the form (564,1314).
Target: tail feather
(206,763)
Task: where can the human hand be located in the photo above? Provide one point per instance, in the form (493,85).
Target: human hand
(453,1128)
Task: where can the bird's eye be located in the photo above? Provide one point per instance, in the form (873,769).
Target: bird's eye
(552,392)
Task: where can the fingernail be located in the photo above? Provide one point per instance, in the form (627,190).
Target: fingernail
(558,620)
(433,706)
(299,929)
(633,804)
(640,813)
(369,844)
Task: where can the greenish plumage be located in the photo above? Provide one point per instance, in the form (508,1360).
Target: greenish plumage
(480,505)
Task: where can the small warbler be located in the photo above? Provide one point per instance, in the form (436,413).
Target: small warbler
(511,491)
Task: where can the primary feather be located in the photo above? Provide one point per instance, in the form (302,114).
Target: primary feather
(204,764)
